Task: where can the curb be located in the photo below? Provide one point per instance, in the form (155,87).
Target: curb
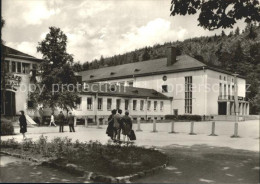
(72,168)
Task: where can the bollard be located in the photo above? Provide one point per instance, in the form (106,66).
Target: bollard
(139,125)
(98,123)
(213,129)
(154,125)
(86,121)
(75,121)
(172,128)
(192,128)
(235,131)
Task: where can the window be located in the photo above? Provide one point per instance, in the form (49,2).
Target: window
(161,105)
(155,105)
(188,94)
(121,83)
(89,103)
(220,89)
(164,88)
(19,67)
(134,104)
(100,103)
(109,104)
(225,90)
(78,105)
(233,90)
(7,63)
(118,103)
(126,104)
(220,77)
(141,105)
(149,105)
(13,66)
(228,90)
(224,78)
(130,83)
(30,104)
(25,68)
(34,66)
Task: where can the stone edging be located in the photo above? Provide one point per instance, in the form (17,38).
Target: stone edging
(91,175)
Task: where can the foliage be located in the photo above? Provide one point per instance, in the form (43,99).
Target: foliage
(184,117)
(110,159)
(7,127)
(215,14)
(57,76)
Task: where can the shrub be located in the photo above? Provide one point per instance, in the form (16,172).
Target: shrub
(7,127)
(10,143)
(184,117)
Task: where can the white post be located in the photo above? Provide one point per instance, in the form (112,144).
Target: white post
(138,124)
(213,129)
(192,128)
(98,122)
(172,128)
(236,109)
(86,121)
(75,121)
(154,125)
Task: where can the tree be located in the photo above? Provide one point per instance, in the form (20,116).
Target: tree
(237,31)
(135,57)
(102,61)
(231,34)
(252,34)
(223,34)
(57,76)
(215,14)
(85,66)
(145,55)
(77,67)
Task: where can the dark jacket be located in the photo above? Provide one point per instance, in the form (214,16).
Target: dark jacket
(127,125)
(61,119)
(23,124)
(110,127)
(71,120)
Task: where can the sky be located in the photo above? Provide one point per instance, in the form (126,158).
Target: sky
(97,27)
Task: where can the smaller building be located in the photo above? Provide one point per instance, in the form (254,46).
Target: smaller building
(97,100)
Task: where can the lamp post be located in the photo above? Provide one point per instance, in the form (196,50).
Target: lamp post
(236,107)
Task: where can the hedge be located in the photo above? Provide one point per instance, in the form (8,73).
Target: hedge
(7,127)
(184,117)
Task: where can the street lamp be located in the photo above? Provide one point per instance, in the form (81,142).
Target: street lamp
(236,106)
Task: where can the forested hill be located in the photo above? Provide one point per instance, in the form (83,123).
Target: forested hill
(235,52)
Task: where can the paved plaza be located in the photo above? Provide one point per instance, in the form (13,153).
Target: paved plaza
(247,130)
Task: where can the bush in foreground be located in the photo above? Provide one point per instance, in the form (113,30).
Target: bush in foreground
(7,127)
(184,117)
(109,159)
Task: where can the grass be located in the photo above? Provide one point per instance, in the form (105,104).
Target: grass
(109,159)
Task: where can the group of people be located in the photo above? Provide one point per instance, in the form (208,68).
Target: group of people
(117,124)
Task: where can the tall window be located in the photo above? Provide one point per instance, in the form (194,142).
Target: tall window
(89,103)
(161,105)
(13,66)
(188,94)
(220,89)
(122,83)
(141,105)
(126,104)
(78,105)
(164,88)
(134,104)
(7,63)
(19,67)
(100,103)
(118,103)
(130,83)
(149,105)
(25,68)
(109,104)
(228,90)
(155,105)
(225,93)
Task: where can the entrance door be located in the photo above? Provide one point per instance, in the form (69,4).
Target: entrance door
(222,108)
(10,103)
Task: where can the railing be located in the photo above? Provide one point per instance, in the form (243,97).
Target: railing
(231,97)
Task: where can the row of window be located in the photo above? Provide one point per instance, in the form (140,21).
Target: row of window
(18,67)
(225,89)
(123,83)
(118,104)
(224,78)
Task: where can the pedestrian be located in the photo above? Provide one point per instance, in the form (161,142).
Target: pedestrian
(71,122)
(127,126)
(61,119)
(110,128)
(52,120)
(23,124)
(118,124)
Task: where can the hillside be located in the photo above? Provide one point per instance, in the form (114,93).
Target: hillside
(236,52)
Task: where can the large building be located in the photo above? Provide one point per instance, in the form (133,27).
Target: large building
(18,68)
(194,87)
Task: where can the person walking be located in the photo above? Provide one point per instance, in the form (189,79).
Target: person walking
(23,124)
(110,127)
(61,119)
(118,124)
(127,126)
(71,122)
(52,120)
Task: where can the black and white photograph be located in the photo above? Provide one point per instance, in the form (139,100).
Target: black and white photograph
(130,91)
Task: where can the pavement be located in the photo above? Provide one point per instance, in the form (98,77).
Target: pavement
(248,132)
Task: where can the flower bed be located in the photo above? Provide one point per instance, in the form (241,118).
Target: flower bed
(112,160)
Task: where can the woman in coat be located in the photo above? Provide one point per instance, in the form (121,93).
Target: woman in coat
(23,124)
(127,125)
(110,127)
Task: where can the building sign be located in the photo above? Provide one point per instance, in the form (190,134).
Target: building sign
(12,81)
